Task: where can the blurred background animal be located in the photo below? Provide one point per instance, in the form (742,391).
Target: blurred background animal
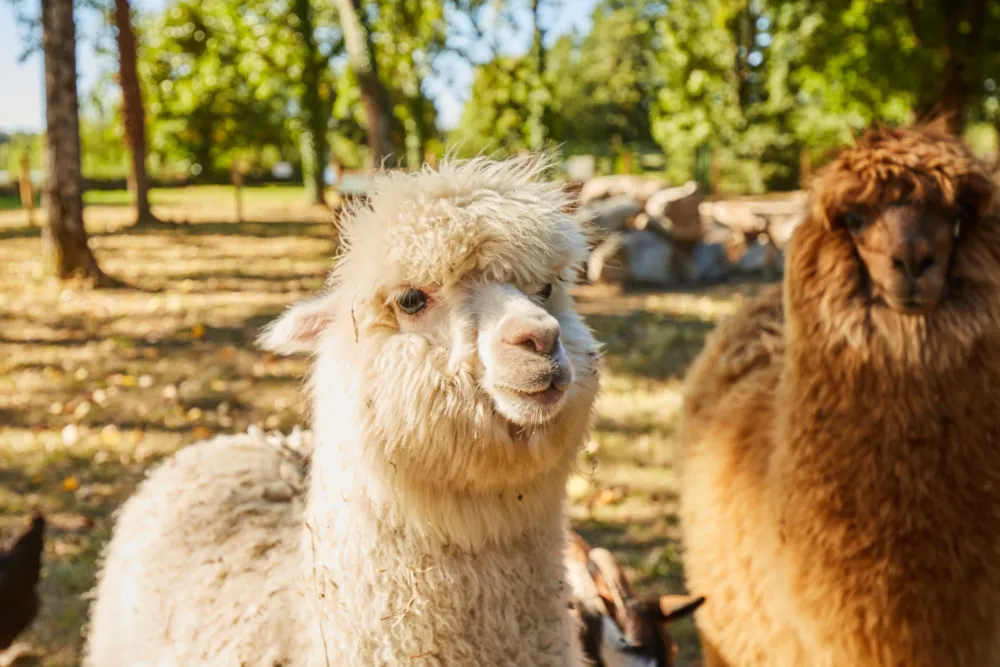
(617,628)
(20,570)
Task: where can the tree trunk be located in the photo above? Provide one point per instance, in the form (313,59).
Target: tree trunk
(538,128)
(133,110)
(314,117)
(374,95)
(65,238)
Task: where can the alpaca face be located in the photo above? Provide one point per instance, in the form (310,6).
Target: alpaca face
(898,215)
(906,250)
(451,321)
(504,334)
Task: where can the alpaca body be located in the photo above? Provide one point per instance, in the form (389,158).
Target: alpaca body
(427,597)
(841,471)
(857,559)
(451,388)
(208,546)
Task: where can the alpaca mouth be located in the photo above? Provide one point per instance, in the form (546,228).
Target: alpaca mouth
(550,395)
(911,305)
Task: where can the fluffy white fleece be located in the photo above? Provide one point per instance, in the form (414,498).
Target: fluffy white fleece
(429,530)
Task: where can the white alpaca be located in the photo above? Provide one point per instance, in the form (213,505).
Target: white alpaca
(452,386)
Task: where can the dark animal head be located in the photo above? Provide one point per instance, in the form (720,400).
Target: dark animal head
(20,569)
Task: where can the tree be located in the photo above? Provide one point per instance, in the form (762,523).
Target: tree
(934,56)
(315,110)
(133,111)
(65,238)
(221,80)
(375,96)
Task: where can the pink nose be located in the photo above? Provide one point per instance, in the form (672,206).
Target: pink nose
(538,334)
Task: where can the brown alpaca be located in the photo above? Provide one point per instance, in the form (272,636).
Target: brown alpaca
(841,464)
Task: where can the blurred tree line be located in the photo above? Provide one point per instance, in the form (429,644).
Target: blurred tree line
(742,95)
(739,86)
(752,89)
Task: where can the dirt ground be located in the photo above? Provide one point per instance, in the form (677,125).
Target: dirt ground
(96,386)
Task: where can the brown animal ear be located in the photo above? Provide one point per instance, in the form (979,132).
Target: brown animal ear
(940,123)
(825,204)
(675,607)
(974,197)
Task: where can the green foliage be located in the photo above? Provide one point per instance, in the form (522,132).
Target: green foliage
(217,76)
(13,145)
(596,89)
(496,114)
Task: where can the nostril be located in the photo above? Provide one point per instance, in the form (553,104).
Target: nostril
(923,266)
(538,339)
(899,265)
(529,340)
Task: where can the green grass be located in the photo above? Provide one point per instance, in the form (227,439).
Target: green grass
(9,202)
(198,194)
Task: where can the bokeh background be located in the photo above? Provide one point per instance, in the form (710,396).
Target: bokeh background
(157,213)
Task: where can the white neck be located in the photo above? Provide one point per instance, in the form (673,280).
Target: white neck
(397,566)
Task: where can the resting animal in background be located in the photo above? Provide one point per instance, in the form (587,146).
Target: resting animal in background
(451,389)
(841,437)
(617,629)
(20,568)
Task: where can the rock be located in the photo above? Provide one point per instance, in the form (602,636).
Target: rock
(636,187)
(761,259)
(677,209)
(738,217)
(781,228)
(611,215)
(709,263)
(608,262)
(650,259)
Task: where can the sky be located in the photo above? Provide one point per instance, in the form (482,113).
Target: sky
(22,104)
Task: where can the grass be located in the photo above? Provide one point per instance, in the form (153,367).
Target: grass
(198,194)
(96,386)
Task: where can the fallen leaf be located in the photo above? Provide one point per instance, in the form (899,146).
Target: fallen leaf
(198,330)
(70,483)
(608,496)
(201,432)
(227,351)
(110,435)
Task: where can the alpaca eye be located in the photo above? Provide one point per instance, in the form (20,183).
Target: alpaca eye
(854,221)
(412,301)
(545,292)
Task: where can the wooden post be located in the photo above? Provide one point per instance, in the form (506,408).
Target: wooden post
(627,161)
(26,190)
(237,176)
(714,172)
(805,168)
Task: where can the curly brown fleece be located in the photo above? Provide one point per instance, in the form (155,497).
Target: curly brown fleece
(841,462)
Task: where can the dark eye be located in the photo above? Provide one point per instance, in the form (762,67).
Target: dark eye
(854,221)
(412,301)
(545,292)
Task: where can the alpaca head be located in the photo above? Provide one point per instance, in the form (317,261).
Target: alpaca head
(904,200)
(449,329)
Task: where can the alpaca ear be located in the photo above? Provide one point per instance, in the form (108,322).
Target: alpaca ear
(298,329)
(674,607)
(974,197)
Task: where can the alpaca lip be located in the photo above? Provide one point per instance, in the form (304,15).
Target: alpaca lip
(546,396)
(911,305)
